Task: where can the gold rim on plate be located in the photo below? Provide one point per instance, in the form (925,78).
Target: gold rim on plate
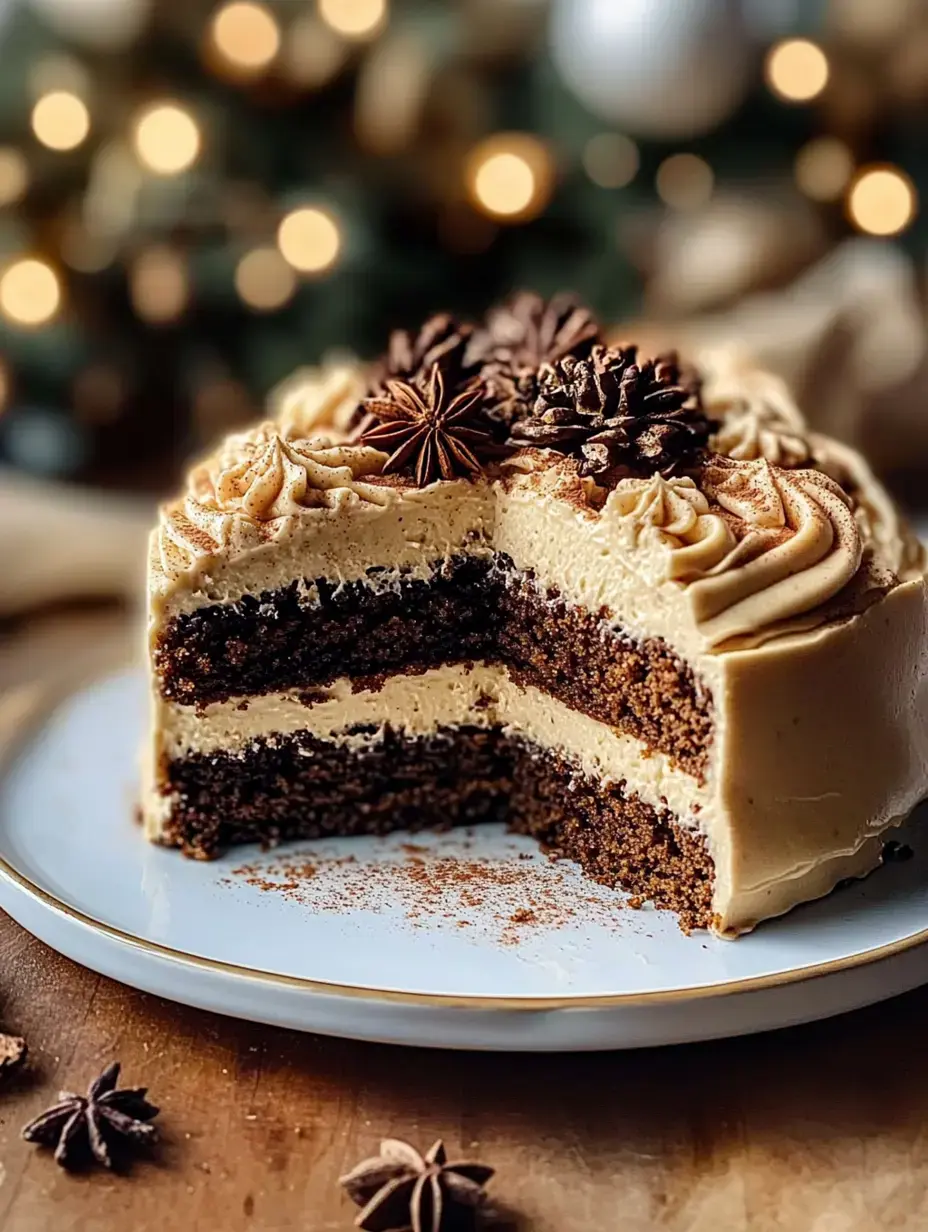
(698,992)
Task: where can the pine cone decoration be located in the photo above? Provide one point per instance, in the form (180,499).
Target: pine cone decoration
(619,417)
(520,336)
(410,357)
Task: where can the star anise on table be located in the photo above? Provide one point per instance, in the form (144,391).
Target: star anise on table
(520,336)
(619,417)
(427,432)
(401,1189)
(410,356)
(93,1126)
(12,1052)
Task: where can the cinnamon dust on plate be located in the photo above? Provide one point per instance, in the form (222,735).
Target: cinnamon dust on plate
(506,894)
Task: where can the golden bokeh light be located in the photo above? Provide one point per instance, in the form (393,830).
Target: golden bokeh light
(796,70)
(30,292)
(6,386)
(166,138)
(611,160)
(354,19)
(881,200)
(264,280)
(14,175)
(313,53)
(510,176)
(246,37)
(60,120)
(159,285)
(310,239)
(684,181)
(823,168)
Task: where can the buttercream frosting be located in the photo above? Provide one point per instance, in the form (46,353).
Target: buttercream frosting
(250,492)
(322,399)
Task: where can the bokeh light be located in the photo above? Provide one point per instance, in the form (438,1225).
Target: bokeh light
(30,292)
(159,285)
(510,176)
(312,53)
(684,181)
(796,70)
(166,138)
(60,120)
(611,160)
(354,19)
(823,168)
(246,37)
(881,200)
(14,175)
(264,280)
(309,239)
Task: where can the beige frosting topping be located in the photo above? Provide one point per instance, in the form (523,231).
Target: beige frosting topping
(251,490)
(759,418)
(798,546)
(675,514)
(319,399)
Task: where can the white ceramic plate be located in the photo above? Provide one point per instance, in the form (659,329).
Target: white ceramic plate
(469,939)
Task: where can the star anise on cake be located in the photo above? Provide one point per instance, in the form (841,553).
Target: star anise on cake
(401,1189)
(522,335)
(96,1125)
(618,416)
(410,356)
(428,432)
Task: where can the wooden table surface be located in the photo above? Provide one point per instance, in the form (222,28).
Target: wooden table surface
(817,1129)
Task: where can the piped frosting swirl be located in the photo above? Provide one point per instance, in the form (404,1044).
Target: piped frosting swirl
(758,418)
(798,545)
(321,399)
(250,492)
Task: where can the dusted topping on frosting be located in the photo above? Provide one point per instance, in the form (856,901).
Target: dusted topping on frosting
(882,527)
(319,400)
(248,493)
(758,418)
(754,545)
(520,336)
(264,476)
(621,418)
(798,546)
(442,340)
(429,434)
(675,513)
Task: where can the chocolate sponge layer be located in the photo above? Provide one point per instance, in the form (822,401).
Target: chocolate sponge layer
(470,608)
(301,787)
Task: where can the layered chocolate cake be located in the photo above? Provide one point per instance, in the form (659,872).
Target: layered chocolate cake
(631,608)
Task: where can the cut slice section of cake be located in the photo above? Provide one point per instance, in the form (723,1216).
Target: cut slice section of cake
(701,676)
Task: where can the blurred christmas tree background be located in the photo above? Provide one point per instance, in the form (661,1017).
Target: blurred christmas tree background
(198,196)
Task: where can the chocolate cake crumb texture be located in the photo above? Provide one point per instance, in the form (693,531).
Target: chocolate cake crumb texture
(471,608)
(101,1125)
(399,1189)
(457,777)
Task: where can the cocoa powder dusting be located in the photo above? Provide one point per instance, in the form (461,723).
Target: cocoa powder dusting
(508,894)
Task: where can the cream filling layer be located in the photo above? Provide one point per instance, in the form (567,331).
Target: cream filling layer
(482,696)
